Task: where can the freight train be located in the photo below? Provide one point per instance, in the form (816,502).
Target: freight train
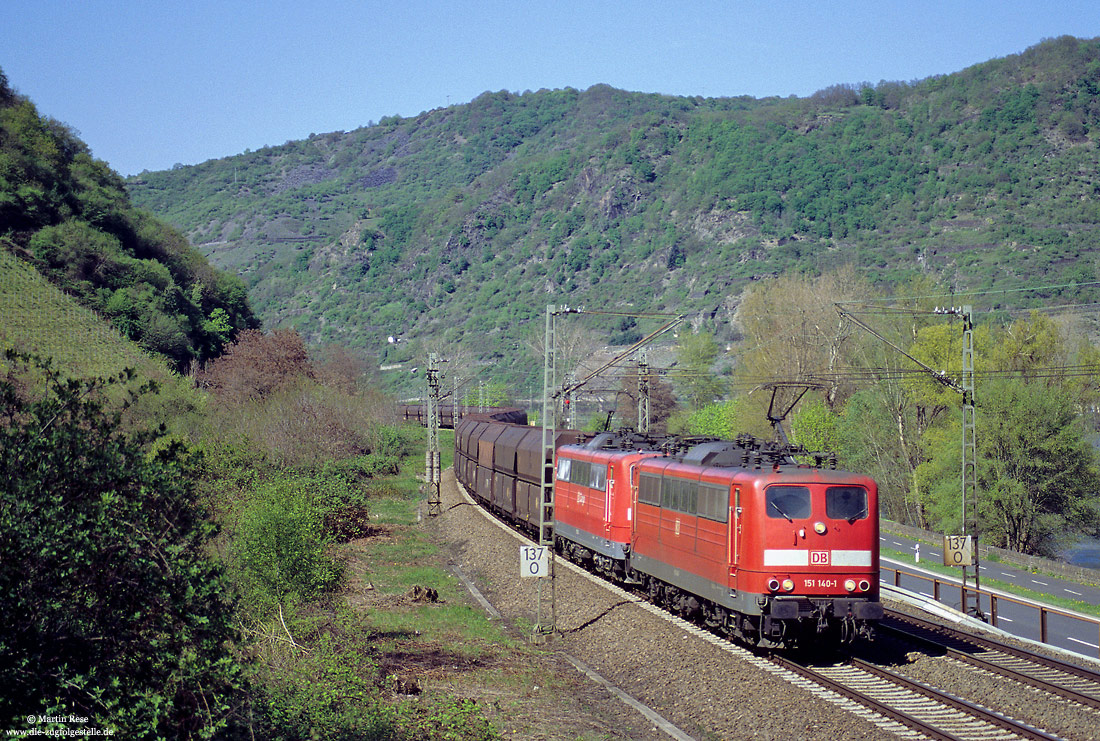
(736,535)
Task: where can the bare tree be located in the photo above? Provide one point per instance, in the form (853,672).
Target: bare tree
(662,401)
(257,364)
(580,350)
(793,331)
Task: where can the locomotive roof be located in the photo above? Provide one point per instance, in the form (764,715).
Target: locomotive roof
(625,439)
(745,451)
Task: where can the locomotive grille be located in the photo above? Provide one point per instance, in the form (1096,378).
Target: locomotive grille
(805,604)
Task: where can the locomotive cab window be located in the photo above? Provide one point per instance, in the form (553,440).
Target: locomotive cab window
(787,502)
(846,503)
(563,469)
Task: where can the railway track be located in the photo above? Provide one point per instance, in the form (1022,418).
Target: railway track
(924,709)
(902,705)
(920,707)
(1055,677)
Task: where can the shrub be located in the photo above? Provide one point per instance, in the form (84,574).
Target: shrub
(280,544)
(112,611)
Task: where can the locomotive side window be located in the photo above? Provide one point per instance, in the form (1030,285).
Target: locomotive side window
(846,503)
(714,502)
(649,489)
(580,473)
(787,502)
(597,477)
(680,495)
(669,493)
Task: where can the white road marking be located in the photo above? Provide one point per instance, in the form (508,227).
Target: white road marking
(1043,583)
(1084,643)
(899,545)
(1072,592)
(1010,576)
(1007,620)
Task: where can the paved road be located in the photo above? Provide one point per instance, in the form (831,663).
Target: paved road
(1003,573)
(1018,619)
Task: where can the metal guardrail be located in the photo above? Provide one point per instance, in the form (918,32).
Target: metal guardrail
(980,599)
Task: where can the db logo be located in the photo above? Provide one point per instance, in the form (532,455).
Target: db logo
(819,558)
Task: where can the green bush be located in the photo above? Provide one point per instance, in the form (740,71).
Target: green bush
(459,719)
(717,420)
(280,545)
(112,609)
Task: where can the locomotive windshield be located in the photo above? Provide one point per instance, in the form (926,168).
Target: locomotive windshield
(846,503)
(788,502)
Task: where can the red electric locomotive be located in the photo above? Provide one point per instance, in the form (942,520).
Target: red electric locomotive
(764,549)
(593,501)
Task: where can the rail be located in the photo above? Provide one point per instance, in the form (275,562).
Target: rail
(921,707)
(1053,676)
(980,598)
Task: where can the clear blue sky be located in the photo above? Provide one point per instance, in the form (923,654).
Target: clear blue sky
(149,83)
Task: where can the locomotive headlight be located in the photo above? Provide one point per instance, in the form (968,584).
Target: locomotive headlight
(819,528)
(773,585)
(850,585)
(864,585)
(788,585)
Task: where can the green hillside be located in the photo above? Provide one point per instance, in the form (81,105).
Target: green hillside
(70,217)
(462,223)
(39,318)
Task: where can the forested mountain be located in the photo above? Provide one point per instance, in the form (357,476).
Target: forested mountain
(70,216)
(462,223)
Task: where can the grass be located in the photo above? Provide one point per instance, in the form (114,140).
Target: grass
(407,558)
(450,645)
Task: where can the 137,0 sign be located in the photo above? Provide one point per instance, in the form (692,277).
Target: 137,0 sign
(958,550)
(534,560)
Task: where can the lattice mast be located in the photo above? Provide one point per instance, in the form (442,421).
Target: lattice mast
(965,386)
(432,475)
(969,444)
(546,618)
(454,400)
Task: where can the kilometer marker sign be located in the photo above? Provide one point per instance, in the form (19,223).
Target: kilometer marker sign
(534,560)
(958,550)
